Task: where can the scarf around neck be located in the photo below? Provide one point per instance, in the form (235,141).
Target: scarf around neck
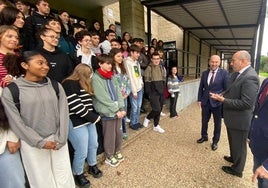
(107,75)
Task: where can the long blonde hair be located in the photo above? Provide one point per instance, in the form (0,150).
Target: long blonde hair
(82,73)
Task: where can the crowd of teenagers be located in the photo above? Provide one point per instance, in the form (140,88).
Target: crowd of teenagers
(60,82)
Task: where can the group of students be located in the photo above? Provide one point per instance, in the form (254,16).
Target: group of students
(49,96)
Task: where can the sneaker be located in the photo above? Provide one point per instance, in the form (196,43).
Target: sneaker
(125,136)
(127,120)
(119,156)
(95,171)
(175,117)
(81,181)
(162,114)
(146,122)
(159,129)
(112,161)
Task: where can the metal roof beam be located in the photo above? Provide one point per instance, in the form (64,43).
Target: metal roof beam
(222,27)
(238,45)
(155,4)
(226,38)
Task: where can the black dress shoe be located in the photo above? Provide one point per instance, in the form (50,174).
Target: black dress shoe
(229,170)
(214,146)
(81,181)
(229,159)
(201,140)
(135,126)
(95,171)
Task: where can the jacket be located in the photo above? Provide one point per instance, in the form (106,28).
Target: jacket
(218,86)
(258,134)
(32,25)
(154,80)
(102,101)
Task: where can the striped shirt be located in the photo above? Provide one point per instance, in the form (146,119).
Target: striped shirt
(80,104)
(3,71)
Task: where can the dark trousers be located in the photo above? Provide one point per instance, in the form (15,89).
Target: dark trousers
(156,102)
(238,148)
(207,110)
(173,104)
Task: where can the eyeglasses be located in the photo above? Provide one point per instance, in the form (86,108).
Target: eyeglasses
(52,37)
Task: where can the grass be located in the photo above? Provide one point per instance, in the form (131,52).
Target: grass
(264,74)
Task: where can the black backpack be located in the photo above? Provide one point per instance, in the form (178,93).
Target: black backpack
(15,92)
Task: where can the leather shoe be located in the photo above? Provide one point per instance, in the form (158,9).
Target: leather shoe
(201,140)
(229,170)
(214,146)
(95,171)
(81,180)
(229,159)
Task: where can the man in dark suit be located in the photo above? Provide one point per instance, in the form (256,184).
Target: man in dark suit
(258,136)
(238,102)
(213,80)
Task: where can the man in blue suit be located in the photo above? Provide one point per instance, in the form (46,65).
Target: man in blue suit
(258,136)
(213,80)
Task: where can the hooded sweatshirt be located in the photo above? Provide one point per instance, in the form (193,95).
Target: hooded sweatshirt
(43,116)
(60,64)
(134,72)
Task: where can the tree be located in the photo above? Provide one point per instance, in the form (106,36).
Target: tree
(264,63)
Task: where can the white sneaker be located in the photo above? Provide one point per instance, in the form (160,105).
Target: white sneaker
(159,129)
(127,120)
(162,114)
(146,122)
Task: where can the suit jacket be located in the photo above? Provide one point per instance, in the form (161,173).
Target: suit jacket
(239,100)
(258,134)
(218,86)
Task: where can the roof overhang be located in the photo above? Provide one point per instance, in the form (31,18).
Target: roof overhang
(226,25)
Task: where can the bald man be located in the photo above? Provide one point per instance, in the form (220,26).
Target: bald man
(238,102)
(212,80)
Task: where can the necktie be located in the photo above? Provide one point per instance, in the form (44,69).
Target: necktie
(212,78)
(263,95)
(235,75)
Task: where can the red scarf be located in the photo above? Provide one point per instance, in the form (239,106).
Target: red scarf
(107,75)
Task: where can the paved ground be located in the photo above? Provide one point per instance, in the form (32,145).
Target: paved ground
(173,159)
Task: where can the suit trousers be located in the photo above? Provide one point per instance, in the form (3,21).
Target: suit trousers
(207,110)
(238,148)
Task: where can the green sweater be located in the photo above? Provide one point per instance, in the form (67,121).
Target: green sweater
(102,100)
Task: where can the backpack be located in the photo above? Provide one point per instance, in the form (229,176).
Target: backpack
(15,92)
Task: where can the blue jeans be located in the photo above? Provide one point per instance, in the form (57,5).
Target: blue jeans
(85,143)
(11,170)
(135,107)
(262,183)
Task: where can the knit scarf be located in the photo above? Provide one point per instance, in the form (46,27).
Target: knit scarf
(107,75)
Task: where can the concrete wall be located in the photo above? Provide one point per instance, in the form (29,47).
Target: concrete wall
(111,14)
(189,91)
